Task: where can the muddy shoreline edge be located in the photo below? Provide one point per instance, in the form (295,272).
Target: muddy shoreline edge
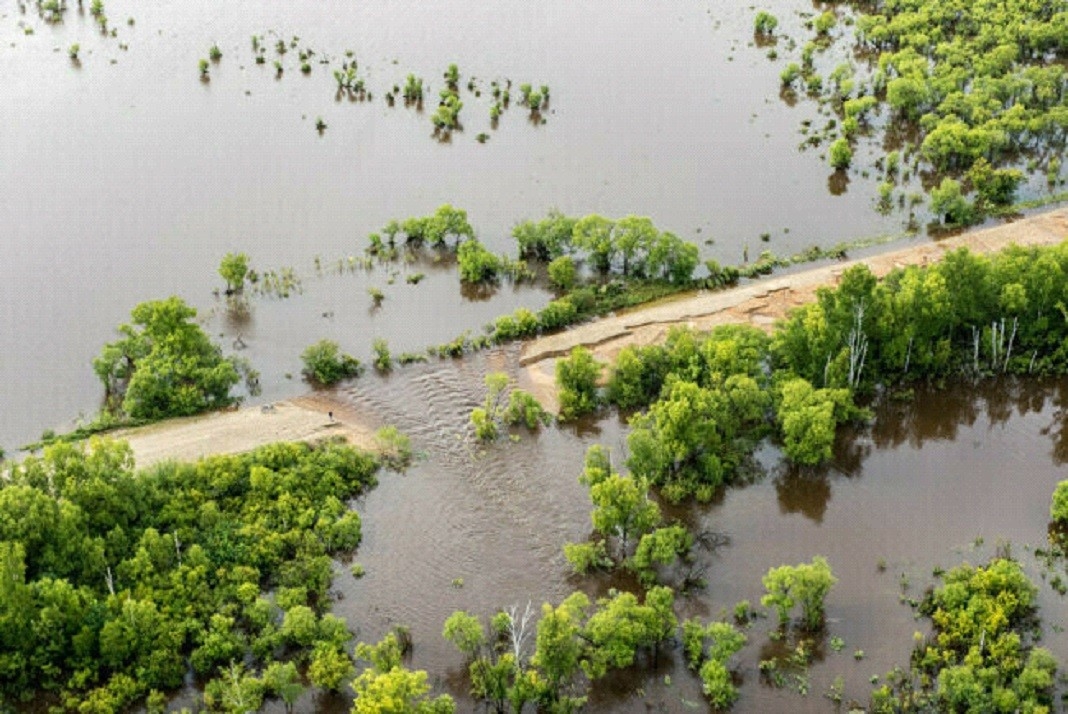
(760,303)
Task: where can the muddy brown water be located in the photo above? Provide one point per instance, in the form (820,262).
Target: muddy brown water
(946,478)
(126,179)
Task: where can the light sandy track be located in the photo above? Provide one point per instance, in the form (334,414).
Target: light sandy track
(232,432)
(760,303)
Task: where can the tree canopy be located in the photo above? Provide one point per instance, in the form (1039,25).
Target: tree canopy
(164,365)
(114,582)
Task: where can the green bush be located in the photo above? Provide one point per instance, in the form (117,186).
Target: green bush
(383,360)
(485,425)
(521,323)
(562,272)
(325,364)
(165,365)
(557,314)
(1058,510)
(524,409)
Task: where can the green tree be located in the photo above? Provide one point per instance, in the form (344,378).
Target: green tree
(576,382)
(330,666)
(234,270)
(807,584)
(558,649)
(562,272)
(477,265)
(387,687)
(235,692)
(808,418)
(165,365)
(594,234)
(547,239)
(448,222)
(996,187)
(622,509)
(948,201)
(280,679)
(464,631)
(622,626)
(1058,510)
(840,154)
(685,442)
(659,547)
(708,650)
(765,23)
(325,364)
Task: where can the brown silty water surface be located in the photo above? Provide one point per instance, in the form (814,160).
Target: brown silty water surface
(127,181)
(126,178)
(948,477)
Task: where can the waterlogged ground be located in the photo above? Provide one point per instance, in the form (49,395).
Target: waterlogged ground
(126,178)
(951,476)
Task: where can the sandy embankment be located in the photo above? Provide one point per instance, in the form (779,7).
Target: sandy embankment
(302,419)
(760,303)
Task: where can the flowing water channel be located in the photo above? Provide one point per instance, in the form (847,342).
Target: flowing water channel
(954,475)
(125,178)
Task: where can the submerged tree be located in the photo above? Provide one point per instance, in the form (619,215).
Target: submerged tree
(806,584)
(165,365)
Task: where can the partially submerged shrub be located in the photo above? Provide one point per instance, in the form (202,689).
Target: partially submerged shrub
(325,364)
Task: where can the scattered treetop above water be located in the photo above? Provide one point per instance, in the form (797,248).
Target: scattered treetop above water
(164,365)
(961,82)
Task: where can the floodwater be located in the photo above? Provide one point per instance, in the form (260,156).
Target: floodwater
(125,178)
(951,476)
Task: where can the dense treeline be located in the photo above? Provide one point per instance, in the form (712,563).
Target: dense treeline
(708,399)
(970,87)
(980,657)
(114,583)
(967,314)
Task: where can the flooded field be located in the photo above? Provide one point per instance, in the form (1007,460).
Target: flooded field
(126,177)
(949,477)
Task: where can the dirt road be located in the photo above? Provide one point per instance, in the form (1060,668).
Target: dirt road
(301,419)
(760,303)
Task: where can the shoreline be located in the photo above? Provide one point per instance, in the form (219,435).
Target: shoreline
(304,418)
(761,303)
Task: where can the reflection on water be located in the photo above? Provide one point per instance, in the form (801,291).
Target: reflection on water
(151,176)
(912,492)
(803,492)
